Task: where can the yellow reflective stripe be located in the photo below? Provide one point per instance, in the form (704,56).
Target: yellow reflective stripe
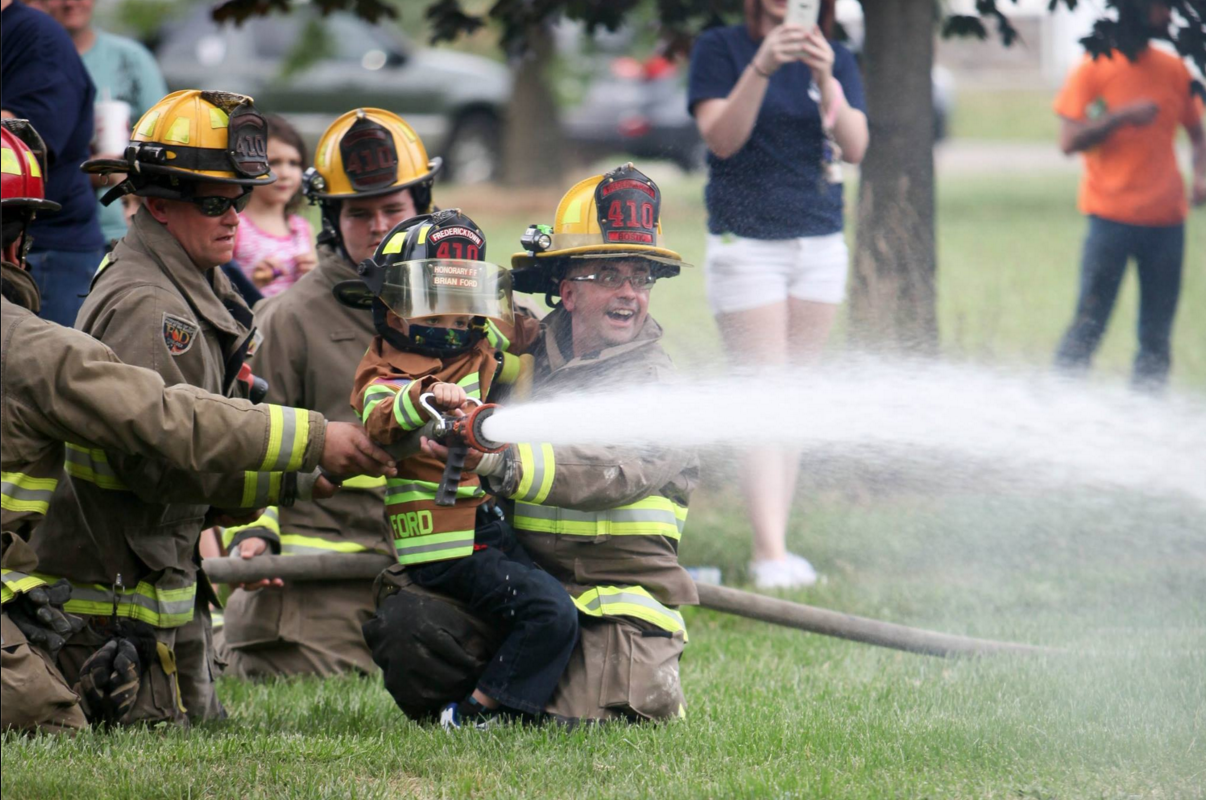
(148,123)
(288,432)
(22,493)
(650,516)
(101,266)
(394,245)
(630,601)
(163,608)
(409,491)
(472,385)
(495,336)
(377,392)
(178,131)
(218,118)
(511,366)
(363,482)
(35,169)
(405,412)
(296,544)
(269,520)
(260,489)
(9,164)
(434,547)
(15,583)
(92,465)
(537,467)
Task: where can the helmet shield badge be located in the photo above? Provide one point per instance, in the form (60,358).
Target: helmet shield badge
(247,142)
(370,157)
(629,206)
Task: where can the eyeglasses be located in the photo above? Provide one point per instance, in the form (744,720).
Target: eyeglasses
(217,205)
(640,282)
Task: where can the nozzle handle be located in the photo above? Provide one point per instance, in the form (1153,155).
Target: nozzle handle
(453,468)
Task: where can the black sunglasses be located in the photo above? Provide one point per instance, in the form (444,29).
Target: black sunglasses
(217,205)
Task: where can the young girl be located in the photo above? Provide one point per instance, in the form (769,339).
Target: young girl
(273,245)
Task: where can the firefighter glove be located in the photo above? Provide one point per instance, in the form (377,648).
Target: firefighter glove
(109,681)
(39,615)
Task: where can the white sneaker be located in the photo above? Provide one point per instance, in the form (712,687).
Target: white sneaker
(791,573)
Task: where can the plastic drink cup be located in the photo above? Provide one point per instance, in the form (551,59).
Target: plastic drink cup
(112,126)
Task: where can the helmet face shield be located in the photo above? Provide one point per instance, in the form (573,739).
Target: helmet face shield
(442,286)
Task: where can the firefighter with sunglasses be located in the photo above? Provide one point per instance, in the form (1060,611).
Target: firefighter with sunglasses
(124,531)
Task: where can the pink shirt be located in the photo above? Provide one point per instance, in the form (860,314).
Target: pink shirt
(253,245)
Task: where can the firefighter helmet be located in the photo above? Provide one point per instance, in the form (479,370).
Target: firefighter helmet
(191,137)
(431,265)
(616,215)
(23,168)
(369,152)
(22,181)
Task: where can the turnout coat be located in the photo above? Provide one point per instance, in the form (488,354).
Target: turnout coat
(141,517)
(60,385)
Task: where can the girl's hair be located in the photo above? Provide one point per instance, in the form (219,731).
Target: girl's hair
(753,18)
(279,128)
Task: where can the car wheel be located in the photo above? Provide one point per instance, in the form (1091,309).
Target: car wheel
(472,155)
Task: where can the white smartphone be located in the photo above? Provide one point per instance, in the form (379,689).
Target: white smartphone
(803,13)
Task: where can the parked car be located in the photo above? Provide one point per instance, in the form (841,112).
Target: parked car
(310,69)
(639,108)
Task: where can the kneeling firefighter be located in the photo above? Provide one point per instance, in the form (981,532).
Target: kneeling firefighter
(63,385)
(370,172)
(604,521)
(125,530)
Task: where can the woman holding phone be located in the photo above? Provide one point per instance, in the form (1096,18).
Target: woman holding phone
(780,107)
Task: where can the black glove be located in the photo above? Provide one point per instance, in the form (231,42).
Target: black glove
(39,615)
(111,677)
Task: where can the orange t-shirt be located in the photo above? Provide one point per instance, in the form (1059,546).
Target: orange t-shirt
(1133,177)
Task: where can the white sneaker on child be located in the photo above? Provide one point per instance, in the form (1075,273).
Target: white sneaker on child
(790,573)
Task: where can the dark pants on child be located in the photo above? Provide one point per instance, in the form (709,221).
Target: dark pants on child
(1158,252)
(500,583)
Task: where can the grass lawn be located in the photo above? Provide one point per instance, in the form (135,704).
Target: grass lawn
(1118,579)
(1012,114)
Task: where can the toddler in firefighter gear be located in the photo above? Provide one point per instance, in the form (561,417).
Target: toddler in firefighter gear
(605,521)
(445,335)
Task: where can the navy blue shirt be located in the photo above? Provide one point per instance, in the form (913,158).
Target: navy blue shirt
(45,82)
(769,189)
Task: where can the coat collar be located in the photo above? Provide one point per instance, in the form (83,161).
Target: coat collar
(19,286)
(207,292)
(558,341)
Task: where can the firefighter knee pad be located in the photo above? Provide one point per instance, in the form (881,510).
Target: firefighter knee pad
(430,649)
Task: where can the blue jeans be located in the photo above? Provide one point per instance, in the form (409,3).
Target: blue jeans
(63,278)
(501,584)
(1158,252)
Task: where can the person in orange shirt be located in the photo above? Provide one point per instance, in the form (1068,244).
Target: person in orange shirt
(1122,111)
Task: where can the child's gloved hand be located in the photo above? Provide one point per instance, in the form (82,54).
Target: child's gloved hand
(448,396)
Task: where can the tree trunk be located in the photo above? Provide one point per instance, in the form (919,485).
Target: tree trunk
(532,136)
(892,304)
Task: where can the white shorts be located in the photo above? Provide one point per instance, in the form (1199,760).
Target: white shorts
(745,273)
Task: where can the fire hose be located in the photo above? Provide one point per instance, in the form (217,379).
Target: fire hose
(353,566)
(461,432)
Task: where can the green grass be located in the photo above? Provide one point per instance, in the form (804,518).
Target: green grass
(777,713)
(1118,579)
(1007,114)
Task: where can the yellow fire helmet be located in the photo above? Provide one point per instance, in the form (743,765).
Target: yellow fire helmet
(369,152)
(187,138)
(616,215)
